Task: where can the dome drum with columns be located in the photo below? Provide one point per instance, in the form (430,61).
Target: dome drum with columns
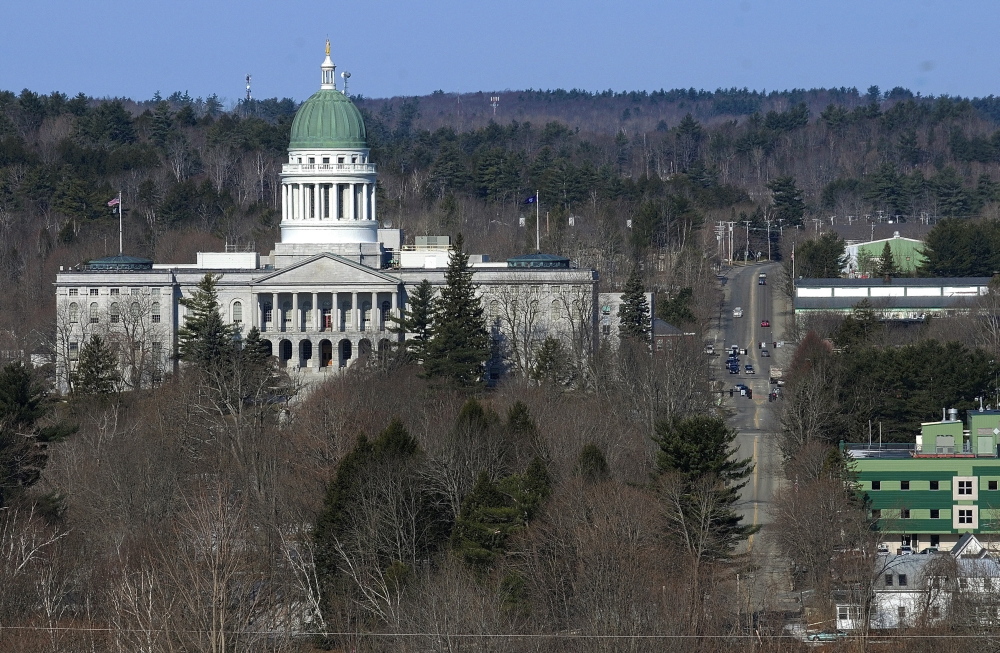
(328,293)
(328,184)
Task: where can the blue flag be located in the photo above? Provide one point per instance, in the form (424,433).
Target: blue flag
(531,200)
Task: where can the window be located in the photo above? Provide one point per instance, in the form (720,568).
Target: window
(888,580)
(904,485)
(95,315)
(73,292)
(935,513)
(964,516)
(237,313)
(74,313)
(94,292)
(605,329)
(965,487)
(134,291)
(935,612)
(554,311)
(155,292)
(876,485)
(934,485)
(963,583)
(901,612)
(268,313)
(904,513)
(155,312)
(115,315)
(555,290)
(902,580)
(935,540)
(326,159)
(134,309)
(74,351)
(115,291)
(991,485)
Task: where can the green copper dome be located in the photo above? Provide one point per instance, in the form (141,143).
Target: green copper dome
(328,119)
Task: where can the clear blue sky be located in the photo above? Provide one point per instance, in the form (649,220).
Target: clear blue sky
(393,47)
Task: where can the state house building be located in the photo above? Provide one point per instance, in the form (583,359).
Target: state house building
(324,296)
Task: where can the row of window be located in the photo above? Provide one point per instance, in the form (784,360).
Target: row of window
(965,515)
(965,486)
(114,292)
(155,348)
(114,312)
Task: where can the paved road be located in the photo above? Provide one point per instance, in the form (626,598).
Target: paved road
(755,418)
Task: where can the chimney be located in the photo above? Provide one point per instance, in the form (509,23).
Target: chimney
(952,414)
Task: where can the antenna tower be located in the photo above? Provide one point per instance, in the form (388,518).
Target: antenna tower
(248,89)
(346,76)
(495,102)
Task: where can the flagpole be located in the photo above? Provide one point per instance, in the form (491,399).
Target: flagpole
(121,239)
(538,242)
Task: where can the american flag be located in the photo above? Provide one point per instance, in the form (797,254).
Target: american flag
(115,201)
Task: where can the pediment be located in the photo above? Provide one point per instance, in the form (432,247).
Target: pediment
(326,269)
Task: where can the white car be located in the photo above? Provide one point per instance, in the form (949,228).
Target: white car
(737,312)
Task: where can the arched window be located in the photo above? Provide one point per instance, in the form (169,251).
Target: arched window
(74,312)
(554,311)
(115,315)
(494,309)
(94,313)
(155,312)
(268,313)
(134,309)
(237,312)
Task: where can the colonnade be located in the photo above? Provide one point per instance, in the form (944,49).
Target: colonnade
(322,201)
(316,311)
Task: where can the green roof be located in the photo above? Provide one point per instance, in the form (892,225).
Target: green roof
(906,252)
(328,119)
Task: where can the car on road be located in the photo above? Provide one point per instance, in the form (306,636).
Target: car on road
(765,323)
(762,279)
(734,370)
(765,353)
(748,368)
(738,312)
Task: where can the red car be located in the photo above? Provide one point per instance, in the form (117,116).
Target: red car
(765,323)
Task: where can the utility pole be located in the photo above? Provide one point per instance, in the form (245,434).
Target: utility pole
(746,252)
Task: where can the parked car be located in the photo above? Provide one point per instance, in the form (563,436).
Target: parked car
(905,550)
(826,636)
(737,312)
(765,323)
(930,549)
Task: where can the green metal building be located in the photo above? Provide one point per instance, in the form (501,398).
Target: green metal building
(945,484)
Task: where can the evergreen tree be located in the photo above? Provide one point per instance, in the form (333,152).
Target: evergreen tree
(822,258)
(787,200)
(677,310)
(460,344)
(633,312)
(592,466)
(97,372)
(700,450)
(494,511)
(887,264)
(205,339)
(23,441)
(417,321)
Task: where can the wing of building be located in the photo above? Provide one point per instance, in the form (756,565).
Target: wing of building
(325,295)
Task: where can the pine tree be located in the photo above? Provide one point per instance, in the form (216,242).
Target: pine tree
(205,339)
(700,450)
(633,312)
(97,372)
(22,440)
(787,198)
(460,344)
(887,263)
(416,324)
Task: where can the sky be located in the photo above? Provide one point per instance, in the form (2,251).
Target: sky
(130,48)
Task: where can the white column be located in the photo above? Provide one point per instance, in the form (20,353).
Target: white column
(254,310)
(275,324)
(355,317)
(373,187)
(284,201)
(296,313)
(395,304)
(354,198)
(301,208)
(335,207)
(316,313)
